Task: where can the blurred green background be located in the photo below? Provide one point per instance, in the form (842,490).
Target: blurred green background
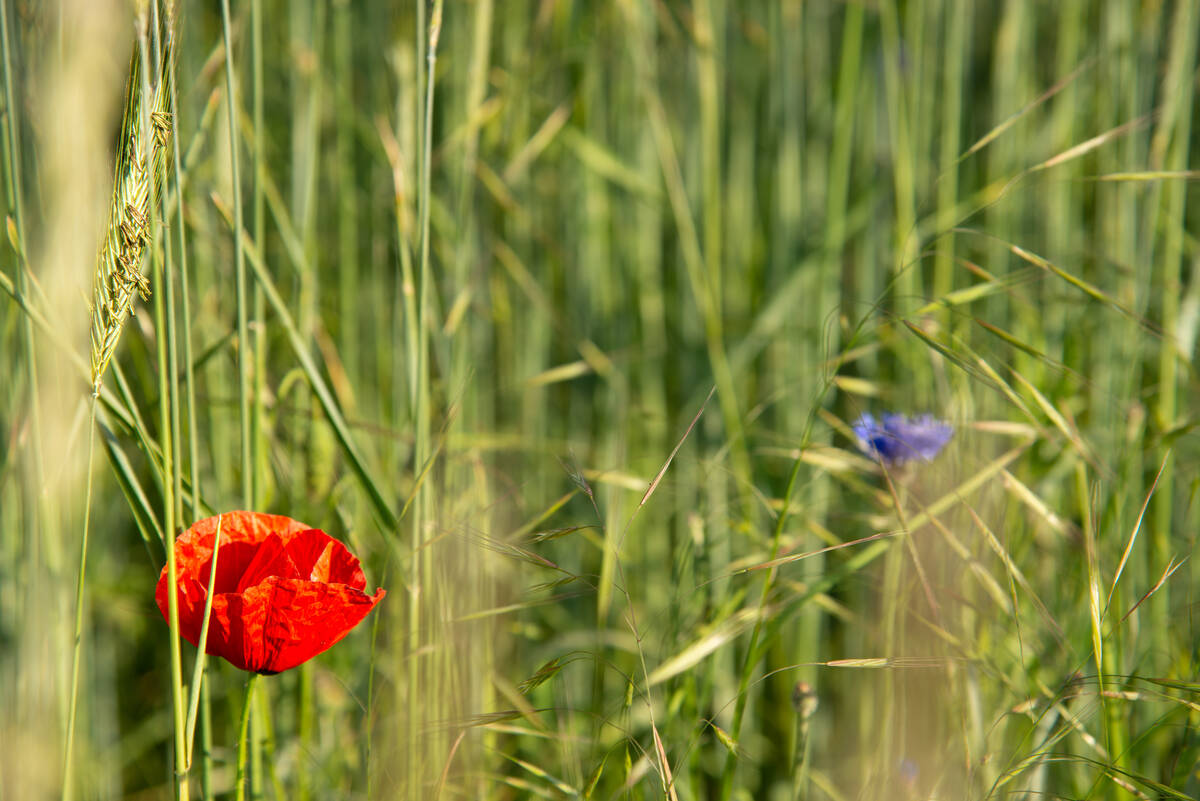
(810,210)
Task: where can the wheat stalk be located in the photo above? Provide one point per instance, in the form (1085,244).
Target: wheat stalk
(141,164)
(141,161)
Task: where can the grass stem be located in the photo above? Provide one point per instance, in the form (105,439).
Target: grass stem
(68,781)
(245,350)
(239,787)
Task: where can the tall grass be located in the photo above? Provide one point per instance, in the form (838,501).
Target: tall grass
(492,260)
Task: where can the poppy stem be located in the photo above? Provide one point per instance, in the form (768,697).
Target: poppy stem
(243,738)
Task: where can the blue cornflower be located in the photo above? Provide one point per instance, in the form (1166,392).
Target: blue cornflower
(899,439)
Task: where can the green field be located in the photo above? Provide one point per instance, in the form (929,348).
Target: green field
(559,314)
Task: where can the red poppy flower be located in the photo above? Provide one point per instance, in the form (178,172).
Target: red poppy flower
(283,593)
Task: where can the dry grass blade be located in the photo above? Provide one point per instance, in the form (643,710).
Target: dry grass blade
(1092,564)
(667,778)
(1023,346)
(995,133)
(721,634)
(1133,536)
(1096,141)
(544,775)
(1088,289)
(446,767)
(1171,568)
(970,294)
(141,166)
(1073,721)
(509,608)
(563,372)
(893,662)
(1015,573)
(663,471)
(594,780)
(1056,417)
(956,358)
(1149,175)
(989,583)
(540,141)
(1035,504)
(914,522)
(796,557)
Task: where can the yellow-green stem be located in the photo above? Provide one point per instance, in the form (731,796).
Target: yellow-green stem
(198,673)
(243,329)
(69,747)
(239,787)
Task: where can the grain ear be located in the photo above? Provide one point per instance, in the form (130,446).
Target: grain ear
(140,168)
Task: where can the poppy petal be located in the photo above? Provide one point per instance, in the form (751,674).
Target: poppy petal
(192,596)
(271,558)
(298,620)
(231,631)
(319,557)
(283,593)
(241,533)
(323,567)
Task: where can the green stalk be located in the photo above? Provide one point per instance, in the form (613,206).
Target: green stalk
(12,142)
(166,390)
(198,671)
(169,425)
(1103,650)
(950,138)
(349,293)
(243,330)
(845,112)
(1177,119)
(305,724)
(407,290)
(245,354)
(206,743)
(420,564)
(1061,202)
(424,270)
(898,108)
(167,287)
(709,36)
(15,202)
(189,378)
(69,746)
(306,28)
(262,748)
(483,408)
(408,281)
(258,229)
(34,498)
(754,650)
(804,702)
(189,381)
(838,183)
(239,787)
(379,505)
(303,35)
(257,451)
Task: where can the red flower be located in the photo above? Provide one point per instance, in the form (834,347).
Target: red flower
(283,592)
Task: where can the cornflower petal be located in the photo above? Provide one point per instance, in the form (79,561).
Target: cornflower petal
(898,439)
